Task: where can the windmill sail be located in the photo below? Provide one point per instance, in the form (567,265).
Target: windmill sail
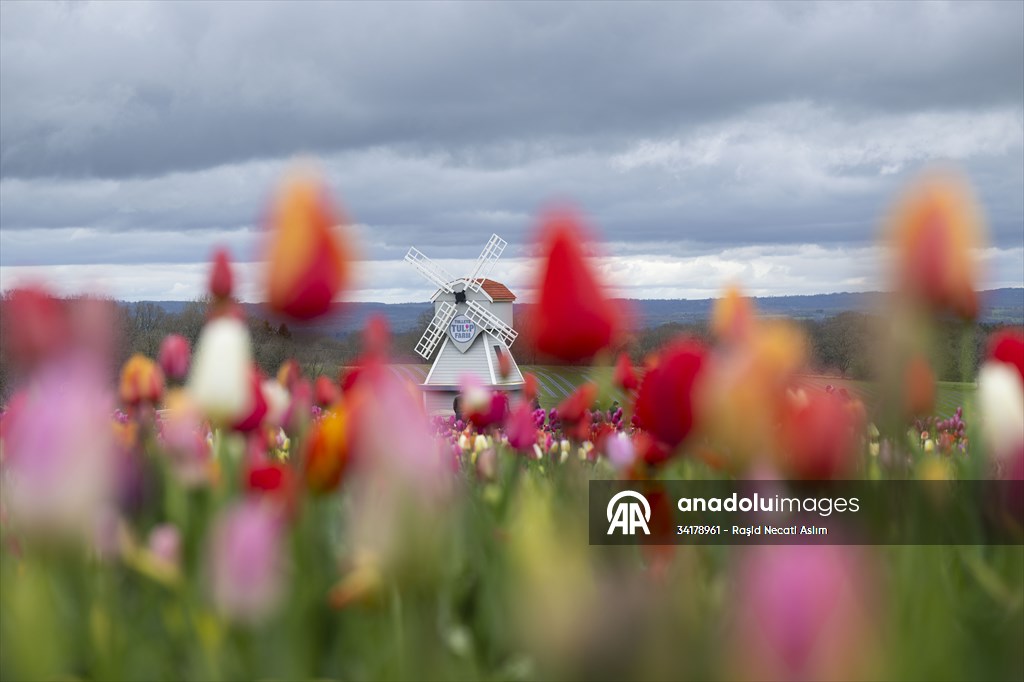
(491,322)
(488,257)
(437,275)
(435,330)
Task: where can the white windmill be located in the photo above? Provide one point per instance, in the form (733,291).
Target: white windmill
(473,323)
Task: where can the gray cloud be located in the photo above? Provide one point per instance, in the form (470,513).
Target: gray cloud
(114,90)
(147,133)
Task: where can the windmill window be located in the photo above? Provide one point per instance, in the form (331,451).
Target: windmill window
(497,352)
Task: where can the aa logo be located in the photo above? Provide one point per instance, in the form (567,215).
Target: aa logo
(628,515)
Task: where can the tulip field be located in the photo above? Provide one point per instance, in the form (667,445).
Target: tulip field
(196,516)
(557,382)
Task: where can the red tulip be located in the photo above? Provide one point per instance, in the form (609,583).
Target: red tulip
(819,434)
(625,375)
(222,282)
(577,406)
(307,261)
(35,327)
(666,402)
(269,477)
(258,411)
(174,357)
(1008,346)
(573,318)
(325,391)
(530,387)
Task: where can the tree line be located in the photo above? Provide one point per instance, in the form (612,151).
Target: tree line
(840,345)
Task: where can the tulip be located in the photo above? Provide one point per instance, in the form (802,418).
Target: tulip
(504,365)
(278,403)
(222,282)
(625,375)
(481,405)
(733,316)
(1007,346)
(934,231)
(918,387)
(530,387)
(58,451)
(1001,399)
(574,318)
(802,612)
(307,261)
(220,382)
(164,544)
(819,435)
(327,451)
(666,402)
(246,571)
(36,326)
(184,439)
(174,357)
(257,406)
(520,428)
(141,381)
(325,391)
(619,450)
(268,476)
(289,374)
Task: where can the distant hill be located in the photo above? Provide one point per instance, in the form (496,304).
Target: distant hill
(998,305)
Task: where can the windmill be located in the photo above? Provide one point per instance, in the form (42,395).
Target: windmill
(472,323)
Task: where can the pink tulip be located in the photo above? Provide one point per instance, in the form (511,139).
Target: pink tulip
(802,612)
(521,428)
(174,357)
(58,450)
(246,570)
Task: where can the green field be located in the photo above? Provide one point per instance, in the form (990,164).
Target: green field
(557,382)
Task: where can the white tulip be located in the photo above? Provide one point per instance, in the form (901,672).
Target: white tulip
(221,379)
(1001,398)
(278,401)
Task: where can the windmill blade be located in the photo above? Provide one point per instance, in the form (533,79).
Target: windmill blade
(435,330)
(491,322)
(437,275)
(488,257)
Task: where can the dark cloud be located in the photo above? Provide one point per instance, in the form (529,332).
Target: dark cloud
(146,133)
(115,90)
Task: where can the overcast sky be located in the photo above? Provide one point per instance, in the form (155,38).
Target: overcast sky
(706,144)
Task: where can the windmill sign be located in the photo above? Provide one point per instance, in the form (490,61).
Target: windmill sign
(462,330)
(472,325)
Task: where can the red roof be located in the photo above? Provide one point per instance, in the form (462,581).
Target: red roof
(496,290)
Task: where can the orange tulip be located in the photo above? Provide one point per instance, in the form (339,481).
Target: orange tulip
(918,388)
(307,261)
(935,228)
(141,381)
(733,316)
(327,451)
